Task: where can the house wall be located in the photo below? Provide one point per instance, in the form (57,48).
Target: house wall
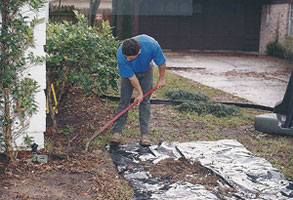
(229,25)
(274,25)
(37,125)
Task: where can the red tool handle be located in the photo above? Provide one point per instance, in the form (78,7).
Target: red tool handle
(124,111)
(116,117)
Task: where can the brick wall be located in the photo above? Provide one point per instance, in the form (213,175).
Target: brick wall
(274,25)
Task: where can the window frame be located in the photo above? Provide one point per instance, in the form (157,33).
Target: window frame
(268,13)
(290,23)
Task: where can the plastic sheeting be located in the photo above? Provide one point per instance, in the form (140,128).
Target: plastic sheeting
(252,177)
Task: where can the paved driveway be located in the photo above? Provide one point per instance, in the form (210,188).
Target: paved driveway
(259,79)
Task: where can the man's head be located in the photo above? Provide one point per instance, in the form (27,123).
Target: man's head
(131,48)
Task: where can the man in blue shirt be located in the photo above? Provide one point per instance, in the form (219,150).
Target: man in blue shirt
(135,58)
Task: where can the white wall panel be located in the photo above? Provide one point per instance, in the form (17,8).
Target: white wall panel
(37,125)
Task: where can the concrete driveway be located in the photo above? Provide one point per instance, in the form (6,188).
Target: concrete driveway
(259,79)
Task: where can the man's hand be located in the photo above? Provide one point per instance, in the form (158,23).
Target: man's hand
(161,83)
(135,83)
(139,97)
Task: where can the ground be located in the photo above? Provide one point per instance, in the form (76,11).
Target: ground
(72,173)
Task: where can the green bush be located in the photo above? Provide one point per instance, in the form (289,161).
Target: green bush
(217,109)
(83,55)
(275,49)
(278,50)
(179,94)
(289,54)
(288,46)
(80,55)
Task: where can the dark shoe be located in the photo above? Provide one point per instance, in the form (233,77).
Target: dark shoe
(145,140)
(116,138)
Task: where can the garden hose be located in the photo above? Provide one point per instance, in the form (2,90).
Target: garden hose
(177,102)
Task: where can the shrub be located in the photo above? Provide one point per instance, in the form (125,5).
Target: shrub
(275,49)
(199,103)
(288,46)
(80,55)
(217,109)
(289,54)
(179,94)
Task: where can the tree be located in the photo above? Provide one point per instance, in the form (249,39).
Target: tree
(17,90)
(94,5)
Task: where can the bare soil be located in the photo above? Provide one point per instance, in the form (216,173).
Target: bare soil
(171,171)
(70,173)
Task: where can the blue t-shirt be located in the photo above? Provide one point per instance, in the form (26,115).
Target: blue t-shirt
(150,50)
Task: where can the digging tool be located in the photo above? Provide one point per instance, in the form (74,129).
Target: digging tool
(115,118)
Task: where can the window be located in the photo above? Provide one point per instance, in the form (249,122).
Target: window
(290,29)
(197,8)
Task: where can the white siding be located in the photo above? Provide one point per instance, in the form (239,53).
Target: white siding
(37,125)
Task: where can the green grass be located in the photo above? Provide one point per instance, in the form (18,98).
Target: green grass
(102,140)
(128,132)
(174,81)
(168,124)
(48,145)
(133,115)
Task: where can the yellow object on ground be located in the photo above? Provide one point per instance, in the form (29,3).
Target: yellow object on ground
(55,101)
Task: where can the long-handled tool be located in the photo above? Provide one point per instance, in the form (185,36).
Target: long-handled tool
(115,118)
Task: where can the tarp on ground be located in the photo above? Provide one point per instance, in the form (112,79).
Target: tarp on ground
(248,176)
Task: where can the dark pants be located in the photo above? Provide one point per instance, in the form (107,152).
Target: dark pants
(126,90)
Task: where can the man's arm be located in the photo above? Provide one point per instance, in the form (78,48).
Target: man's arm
(135,83)
(161,82)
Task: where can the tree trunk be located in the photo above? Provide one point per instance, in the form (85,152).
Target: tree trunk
(93,11)
(6,86)
(8,128)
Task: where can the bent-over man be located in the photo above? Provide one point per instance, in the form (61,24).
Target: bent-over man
(135,57)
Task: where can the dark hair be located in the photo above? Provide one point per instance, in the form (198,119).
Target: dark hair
(130,47)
